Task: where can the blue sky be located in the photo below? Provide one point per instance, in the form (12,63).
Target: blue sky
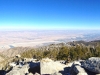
(49,14)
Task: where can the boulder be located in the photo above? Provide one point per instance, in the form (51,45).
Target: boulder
(49,66)
(92,64)
(19,71)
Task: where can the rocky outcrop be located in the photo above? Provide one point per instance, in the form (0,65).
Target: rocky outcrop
(49,67)
(92,64)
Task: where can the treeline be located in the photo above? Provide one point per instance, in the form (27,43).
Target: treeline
(64,52)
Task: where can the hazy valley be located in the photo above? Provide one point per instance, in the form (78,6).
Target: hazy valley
(35,38)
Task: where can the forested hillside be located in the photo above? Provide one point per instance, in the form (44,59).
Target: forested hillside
(66,51)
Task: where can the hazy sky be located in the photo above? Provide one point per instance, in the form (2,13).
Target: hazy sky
(49,14)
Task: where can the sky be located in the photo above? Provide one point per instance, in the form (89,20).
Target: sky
(49,14)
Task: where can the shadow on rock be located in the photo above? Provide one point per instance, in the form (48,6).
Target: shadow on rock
(89,72)
(32,64)
(2,72)
(65,71)
(34,70)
